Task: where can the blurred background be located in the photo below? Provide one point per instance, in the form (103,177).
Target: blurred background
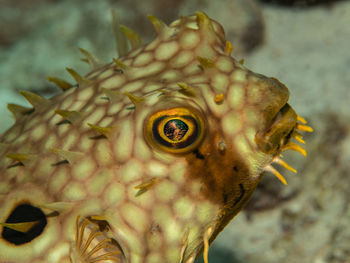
(303,43)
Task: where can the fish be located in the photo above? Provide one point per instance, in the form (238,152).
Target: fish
(146,158)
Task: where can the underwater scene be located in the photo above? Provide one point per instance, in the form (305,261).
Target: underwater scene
(174,131)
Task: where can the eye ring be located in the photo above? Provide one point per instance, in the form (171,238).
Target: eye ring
(176,130)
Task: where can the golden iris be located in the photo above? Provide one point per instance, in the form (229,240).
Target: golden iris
(175,130)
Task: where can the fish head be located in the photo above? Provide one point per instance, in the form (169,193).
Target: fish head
(223,127)
(222,140)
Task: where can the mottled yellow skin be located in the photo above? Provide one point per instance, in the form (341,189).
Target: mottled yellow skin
(108,192)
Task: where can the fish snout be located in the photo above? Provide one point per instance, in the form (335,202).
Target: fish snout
(278,119)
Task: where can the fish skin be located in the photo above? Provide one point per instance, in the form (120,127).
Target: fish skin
(110,191)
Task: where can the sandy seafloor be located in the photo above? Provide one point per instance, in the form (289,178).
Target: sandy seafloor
(306,48)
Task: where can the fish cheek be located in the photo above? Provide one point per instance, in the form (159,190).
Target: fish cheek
(224,176)
(225,180)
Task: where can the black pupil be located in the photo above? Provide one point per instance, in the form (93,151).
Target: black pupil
(175,129)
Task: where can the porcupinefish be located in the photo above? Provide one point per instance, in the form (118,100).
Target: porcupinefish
(145,159)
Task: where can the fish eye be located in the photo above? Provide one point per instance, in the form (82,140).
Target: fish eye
(176,130)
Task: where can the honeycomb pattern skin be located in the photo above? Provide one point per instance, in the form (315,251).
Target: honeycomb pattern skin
(108,194)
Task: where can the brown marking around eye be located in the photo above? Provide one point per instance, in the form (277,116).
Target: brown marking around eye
(225,177)
(220,173)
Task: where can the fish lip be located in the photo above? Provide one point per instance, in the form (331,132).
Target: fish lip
(278,131)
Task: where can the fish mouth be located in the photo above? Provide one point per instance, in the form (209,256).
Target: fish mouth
(276,138)
(278,132)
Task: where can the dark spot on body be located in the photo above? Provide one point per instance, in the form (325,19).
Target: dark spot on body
(200,67)
(119,70)
(98,137)
(225,197)
(21,214)
(63,122)
(29,112)
(239,198)
(60,163)
(15,165)
(198,154)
